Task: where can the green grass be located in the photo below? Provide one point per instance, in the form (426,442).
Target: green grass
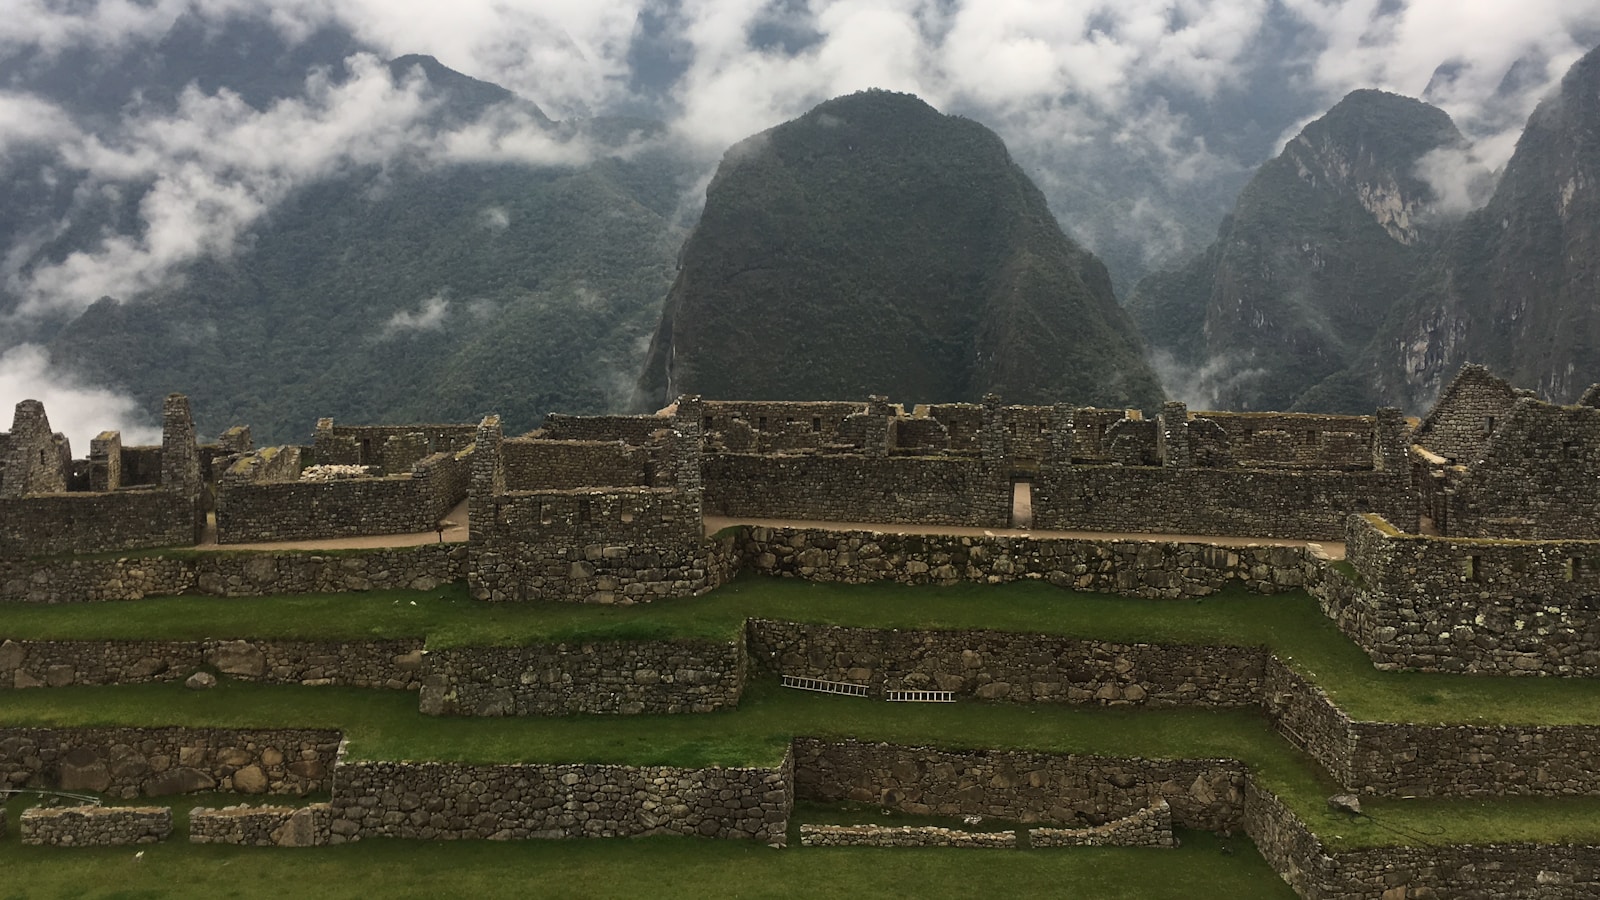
(665,868)
(1290,624)
(386,725)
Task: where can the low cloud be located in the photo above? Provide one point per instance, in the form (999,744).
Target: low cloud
(429,316)
(76,409)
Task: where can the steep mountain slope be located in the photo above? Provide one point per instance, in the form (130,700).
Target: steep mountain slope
(874,245)
(425,286)
(1323,240)
(1516,287)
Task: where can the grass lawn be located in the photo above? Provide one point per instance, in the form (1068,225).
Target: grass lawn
(1291,624)
(661,868)
(386,725)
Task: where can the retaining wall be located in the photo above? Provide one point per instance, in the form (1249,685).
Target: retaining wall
(156,762)
(261,826)
(1020,786)
(96,826)
(393,664)
(627,677)
(1018,668)
(451,801)
(1133,568)
(902,836)
(239,573)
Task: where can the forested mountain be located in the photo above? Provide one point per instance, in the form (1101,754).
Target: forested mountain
(874,245)
(1517,286)
(1324,240)
(418,281)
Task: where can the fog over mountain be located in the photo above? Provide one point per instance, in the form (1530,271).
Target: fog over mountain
(138,139)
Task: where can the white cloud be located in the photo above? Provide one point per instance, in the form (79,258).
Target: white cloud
(75,409)
(430,316)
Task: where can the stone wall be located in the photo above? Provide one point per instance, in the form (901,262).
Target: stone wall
(36,459)
(262,826)
(1536,477)
(1134,568)
(635,430)
(1477,606)
(1491,871)
(231,574)
(1149,827)
(535,465)
(157,762)
(902,836)
(1263,503)
(1017,668)
(395,664)
(453,801)
(928,490)
(1303,713)
(96,826)
(627,677)
(1300,440)
(1057,789)
(365,445)
(747,426)
(1466,415)
(249,512)
(130,519)
(628,545)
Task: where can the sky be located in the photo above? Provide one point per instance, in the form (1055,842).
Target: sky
(1066,83)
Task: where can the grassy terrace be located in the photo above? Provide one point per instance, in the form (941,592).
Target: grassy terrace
(386,725)
(1288,623)
(668,868)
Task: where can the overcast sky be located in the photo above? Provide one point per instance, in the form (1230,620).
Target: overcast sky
(1048,76)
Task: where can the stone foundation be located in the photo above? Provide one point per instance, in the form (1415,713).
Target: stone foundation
(902,836)
(261,826)
(96,826)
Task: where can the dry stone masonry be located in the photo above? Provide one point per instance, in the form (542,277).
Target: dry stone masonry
(96,826)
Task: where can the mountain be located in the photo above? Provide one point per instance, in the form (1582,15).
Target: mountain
(422,285)
(876,246)
(1515,288)
(1322,242)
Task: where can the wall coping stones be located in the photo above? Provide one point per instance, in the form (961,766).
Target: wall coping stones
(96,826)
(902,836)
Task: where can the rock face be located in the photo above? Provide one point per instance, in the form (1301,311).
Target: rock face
(1321,244)
(1514,288)
(875,246)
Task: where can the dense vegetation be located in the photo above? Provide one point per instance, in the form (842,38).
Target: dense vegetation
(876,246)
(1304,271)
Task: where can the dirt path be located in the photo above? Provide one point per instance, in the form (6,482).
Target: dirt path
(1327,549)
(456,532)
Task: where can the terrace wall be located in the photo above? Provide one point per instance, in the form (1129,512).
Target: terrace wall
(395,664)
(262,826)
(96,826)
(157,762)
(453,801)
(1017,668)
(1265,503)
(600,546)
(1057,789)
(231,574)
(1134,568)
(627,677)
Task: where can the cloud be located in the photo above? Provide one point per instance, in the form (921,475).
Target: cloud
(209,169)
(430,316)
(75,409)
